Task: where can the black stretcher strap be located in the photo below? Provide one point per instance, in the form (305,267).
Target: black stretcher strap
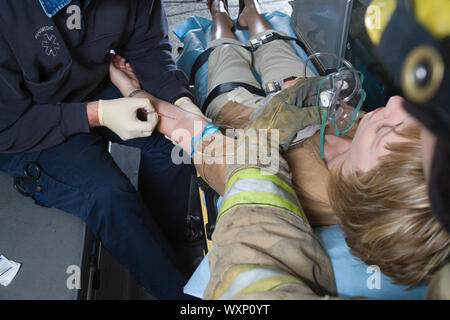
(204,56)
(227,87)
(199,62)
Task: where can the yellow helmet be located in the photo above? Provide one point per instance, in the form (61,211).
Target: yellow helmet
(411,39)
(434,15)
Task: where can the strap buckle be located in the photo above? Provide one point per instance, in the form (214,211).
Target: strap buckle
(275,86)
(258,42)
(272,87)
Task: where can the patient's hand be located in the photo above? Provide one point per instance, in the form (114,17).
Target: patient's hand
(122,75)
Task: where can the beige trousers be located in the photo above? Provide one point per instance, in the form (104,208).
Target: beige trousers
(273,61)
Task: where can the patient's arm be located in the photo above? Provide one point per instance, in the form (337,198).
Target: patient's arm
(181,126)
(175,123)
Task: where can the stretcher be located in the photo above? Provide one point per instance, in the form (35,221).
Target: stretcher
(353,277)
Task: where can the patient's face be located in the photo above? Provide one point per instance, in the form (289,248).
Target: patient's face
(374,133)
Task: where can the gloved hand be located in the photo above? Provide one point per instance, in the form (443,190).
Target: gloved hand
(289,111)
(120,115)
(186,104)
(260,150)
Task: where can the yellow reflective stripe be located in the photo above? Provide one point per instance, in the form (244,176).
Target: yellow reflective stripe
(259,185)
(241,279)
(248,187)
(435,16)
(271,284)
(255,173)
(259,199)
(229,277)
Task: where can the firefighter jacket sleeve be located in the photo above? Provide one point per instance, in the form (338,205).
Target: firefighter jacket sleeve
(264,247)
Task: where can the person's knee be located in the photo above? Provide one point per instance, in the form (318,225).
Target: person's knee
(112,195)
(155,146)
(233,53)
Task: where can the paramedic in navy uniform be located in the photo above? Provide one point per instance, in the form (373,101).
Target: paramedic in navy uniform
(58,110)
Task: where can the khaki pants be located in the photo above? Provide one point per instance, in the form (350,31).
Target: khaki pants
(273,61)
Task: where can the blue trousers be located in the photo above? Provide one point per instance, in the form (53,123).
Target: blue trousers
(80,177)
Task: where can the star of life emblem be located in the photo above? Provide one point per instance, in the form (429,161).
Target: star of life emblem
(50,45)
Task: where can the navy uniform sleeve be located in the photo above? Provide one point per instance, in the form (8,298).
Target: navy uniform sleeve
(149,52)
(27,126)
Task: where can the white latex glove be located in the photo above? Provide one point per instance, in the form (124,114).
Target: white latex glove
(120,115)
(186,104)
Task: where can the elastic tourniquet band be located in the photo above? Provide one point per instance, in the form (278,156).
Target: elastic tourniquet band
(210,128)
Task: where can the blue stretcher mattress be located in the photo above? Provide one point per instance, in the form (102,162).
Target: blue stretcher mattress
(353,277)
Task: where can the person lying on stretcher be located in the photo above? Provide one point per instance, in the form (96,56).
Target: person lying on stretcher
(370,180)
